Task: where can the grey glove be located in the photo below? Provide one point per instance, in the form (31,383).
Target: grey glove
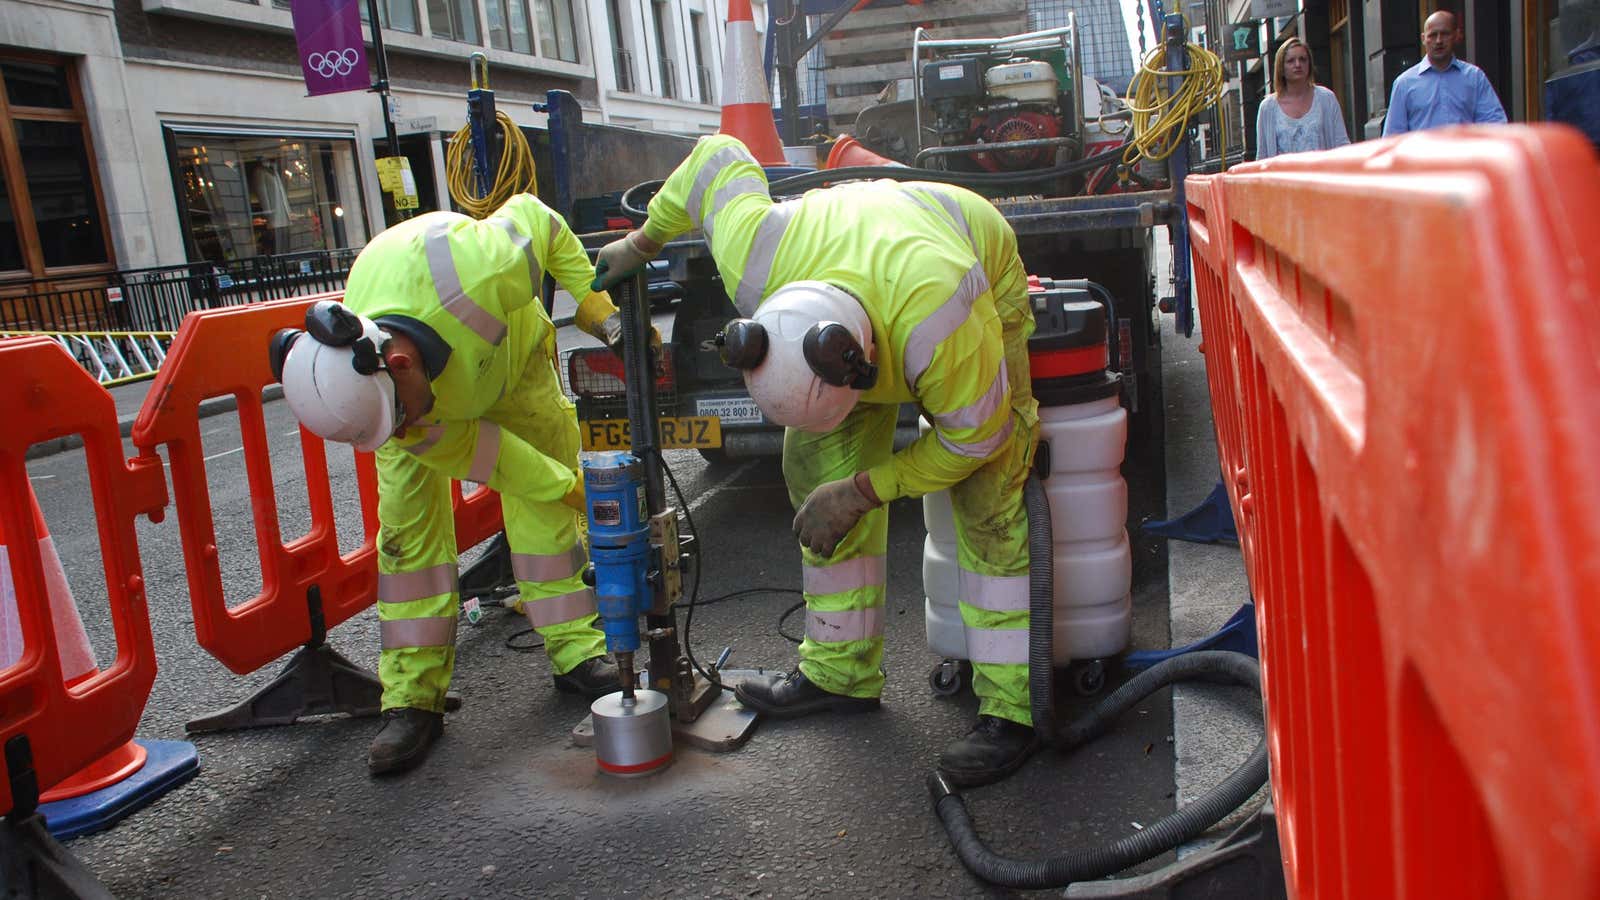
(621,258)
(830,512)
(611,333)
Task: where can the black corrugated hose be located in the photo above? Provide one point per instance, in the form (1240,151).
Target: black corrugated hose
(1166,833)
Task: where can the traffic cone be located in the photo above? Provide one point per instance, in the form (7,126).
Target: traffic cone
(848,152)
(124,779)
(746,105)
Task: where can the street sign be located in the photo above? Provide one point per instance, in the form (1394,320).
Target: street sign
(1271,9)
(417,125)
(1244,41)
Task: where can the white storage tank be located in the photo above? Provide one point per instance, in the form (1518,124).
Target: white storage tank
(1083,434)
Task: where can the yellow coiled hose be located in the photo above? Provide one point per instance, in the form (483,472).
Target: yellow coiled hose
(1161,116)
(516,174)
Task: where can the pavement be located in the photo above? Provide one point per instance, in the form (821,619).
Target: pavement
(509,806)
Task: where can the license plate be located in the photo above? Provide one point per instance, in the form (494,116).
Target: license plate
(731,410)
(677,433)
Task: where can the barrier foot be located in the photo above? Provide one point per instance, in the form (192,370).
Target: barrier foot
(1209,523)
(1244,865)
(32,863)
(318,681)
(491,573)
(1237,634)
(167,764)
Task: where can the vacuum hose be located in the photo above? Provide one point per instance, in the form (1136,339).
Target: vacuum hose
(1165,834)
(1041,607)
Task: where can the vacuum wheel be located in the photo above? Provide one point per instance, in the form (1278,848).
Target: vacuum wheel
(950,676)
(1088,677)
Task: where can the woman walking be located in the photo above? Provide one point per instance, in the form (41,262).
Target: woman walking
(1299,115)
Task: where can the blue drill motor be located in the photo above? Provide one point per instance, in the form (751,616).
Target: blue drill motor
(619,545)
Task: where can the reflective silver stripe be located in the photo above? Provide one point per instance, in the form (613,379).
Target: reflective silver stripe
(433,434)
(932,331)
(844,625)
(923,195)
(550,245)
(981,410)
(745,185)
(709,170)
(560,608)
(763,250)
(980,449)
(1007,647)
(547,566)
(995,593)
(850,575)
(398,634)
(743,84)
(525,244)
(403,587)
(452,296)
(487,453)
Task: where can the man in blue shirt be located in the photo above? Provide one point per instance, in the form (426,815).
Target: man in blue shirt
(1441,90)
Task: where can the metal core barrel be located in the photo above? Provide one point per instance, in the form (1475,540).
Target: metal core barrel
(632,740)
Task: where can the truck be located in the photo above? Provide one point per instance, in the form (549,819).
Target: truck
(1015,118)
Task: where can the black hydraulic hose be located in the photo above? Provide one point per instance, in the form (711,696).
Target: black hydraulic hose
(1099,290)
(794,184)
(1161,836)
(1041,607)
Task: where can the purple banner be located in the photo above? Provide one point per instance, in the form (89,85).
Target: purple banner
(332,55)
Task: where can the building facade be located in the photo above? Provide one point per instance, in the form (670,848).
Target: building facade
(142,133)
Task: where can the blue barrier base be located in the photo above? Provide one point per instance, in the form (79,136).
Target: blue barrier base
(1237,634)
(1209,523)
(167,764)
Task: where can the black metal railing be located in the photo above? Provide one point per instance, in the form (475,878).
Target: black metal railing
(157,299)
(703,75)
(624,61)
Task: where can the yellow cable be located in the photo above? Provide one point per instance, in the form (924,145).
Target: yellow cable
(1161,116)
(516,174)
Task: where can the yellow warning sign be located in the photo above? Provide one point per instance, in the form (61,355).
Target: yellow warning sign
(394,177)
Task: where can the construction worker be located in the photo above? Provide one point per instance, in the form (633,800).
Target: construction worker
(442,361)
(860,298)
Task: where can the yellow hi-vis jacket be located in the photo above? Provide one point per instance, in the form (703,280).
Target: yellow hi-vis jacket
(477,284)
(938,334)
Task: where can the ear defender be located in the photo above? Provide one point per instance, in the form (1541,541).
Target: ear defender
(837,358)
(278,349)
(742,344)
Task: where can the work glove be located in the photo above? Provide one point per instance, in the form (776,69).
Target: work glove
(621,258)
(575,497)
(598,316)
(831,511)
(611,333)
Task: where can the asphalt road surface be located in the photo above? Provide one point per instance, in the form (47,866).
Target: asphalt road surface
(508,805)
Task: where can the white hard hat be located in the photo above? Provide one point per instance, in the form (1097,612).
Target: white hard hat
(333,377)
(805,356)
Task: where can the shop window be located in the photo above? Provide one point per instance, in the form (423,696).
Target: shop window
(52,216)
(508,25)
(244,194)
(557,34)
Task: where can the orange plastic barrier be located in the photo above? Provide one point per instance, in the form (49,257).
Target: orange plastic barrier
(221,352)
(47,395)
(1403,343)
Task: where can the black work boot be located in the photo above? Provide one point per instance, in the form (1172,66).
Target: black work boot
(993,749)
(404,739)
(794,695)
(594,678)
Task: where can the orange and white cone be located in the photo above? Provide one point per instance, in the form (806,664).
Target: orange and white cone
(72,645)
(746,105)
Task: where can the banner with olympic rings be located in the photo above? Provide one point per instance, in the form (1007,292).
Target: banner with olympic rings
(333,56)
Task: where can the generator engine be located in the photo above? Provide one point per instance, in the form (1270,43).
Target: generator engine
(977,100)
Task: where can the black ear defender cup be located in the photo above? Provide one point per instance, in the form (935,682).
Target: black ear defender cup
(742,344)
(278,349)
(837,358)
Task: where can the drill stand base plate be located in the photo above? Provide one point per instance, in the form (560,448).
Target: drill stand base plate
(724,726)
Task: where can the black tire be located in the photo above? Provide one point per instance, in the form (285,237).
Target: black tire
(950,677)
